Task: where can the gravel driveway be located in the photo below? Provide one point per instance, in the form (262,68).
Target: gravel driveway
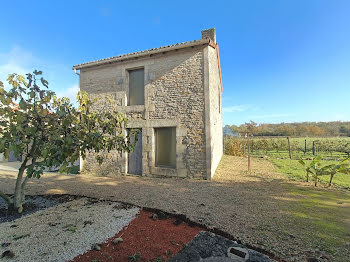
(235,202)
(62,232)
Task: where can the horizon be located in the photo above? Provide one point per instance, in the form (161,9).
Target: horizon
(282,62)
(291,123)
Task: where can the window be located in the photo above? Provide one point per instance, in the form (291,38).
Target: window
(136,87)
(166,147)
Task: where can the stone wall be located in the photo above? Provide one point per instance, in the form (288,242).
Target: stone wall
(174,97)
(179,94)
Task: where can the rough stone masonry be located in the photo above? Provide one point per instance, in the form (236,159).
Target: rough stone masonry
(182,90)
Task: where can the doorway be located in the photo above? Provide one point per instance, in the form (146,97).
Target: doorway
(135,158)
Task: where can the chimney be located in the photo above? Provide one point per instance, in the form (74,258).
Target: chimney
(209,33)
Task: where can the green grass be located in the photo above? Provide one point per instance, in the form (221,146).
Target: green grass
(296,172)
(298,154)
(325,213)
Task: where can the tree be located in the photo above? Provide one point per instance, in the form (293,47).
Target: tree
(345,129)
(342,167)
(311,168)
(315,130)
(316,170)
(48,131)
(250,127)
(286,130)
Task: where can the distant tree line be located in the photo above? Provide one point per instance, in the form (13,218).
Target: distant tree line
(318,129)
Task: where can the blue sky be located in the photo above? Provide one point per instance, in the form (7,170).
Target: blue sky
(282,61)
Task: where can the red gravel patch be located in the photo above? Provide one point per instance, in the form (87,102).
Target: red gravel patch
(151,239)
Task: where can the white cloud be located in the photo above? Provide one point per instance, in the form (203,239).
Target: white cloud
(16,61)
(18,56)
(238,108)
(20,61)
(71,93)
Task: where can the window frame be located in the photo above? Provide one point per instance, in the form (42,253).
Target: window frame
(128,85)
(156,147)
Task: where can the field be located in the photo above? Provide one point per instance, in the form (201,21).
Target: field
(333,148)
(276,149)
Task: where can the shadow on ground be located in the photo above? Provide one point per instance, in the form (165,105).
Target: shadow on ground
(264,210)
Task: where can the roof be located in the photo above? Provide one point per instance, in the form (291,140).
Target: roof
(145,53)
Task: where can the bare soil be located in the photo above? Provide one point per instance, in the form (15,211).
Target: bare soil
(146,238)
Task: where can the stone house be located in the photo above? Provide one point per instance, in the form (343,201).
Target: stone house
(172,94)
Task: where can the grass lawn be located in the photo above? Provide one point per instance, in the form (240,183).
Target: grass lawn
(296,172)
(322,218)
(320,214)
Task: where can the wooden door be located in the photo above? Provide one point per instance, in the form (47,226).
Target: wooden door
(135,158)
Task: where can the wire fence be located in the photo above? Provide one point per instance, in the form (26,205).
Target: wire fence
(334,148)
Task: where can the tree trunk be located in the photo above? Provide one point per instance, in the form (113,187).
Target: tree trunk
(23,196)
(330,180)
(18,199)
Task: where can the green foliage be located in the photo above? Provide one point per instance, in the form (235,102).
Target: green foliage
(315,168)
(48,131)
(235,147)
(307,169)
(135,257)
(295,171)
(158,259)
(72,229)
(342,167)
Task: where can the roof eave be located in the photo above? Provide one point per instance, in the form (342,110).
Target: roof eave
(142,53)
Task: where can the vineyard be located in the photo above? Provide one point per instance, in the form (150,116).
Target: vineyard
(334,148)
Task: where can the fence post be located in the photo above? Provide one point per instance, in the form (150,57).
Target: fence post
(313,148)
(249,169)
(290,153)
(305,148)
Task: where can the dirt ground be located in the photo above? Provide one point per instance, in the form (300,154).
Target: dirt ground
(247,206)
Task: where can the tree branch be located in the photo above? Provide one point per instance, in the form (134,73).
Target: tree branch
(24,182)
(6,198)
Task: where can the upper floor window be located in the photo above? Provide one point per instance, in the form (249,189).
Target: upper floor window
(136,87)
